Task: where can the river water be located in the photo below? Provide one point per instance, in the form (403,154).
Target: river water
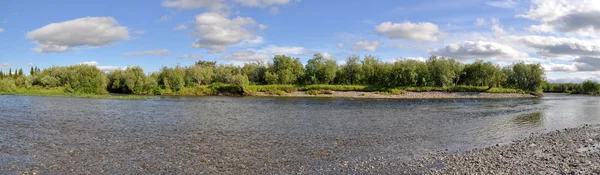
(255,135)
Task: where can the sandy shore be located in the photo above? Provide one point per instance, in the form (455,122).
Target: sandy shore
(568,151)
(406,95)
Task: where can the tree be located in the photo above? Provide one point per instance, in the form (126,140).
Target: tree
(200,74)
(21,72)
(443,71)
(288,70)
(31,72)
(255,72)
(369,69)
(320,70)
(352,70)
(10,74)
(481,73)
(172,78)
(529,77)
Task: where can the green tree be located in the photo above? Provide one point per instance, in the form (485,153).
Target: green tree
(529,77)
(10,74)
(320,70)
(442,71)
(288,70)
(352,70)
(200,74)
(255,72)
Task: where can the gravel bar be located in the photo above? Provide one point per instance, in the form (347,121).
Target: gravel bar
(568,151)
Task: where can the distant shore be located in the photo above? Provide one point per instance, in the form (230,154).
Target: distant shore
(406,95)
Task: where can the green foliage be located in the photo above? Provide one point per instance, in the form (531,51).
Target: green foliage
(528,77)
(320,70)
(287,69)
(442,71)
(172,79)
(7,85)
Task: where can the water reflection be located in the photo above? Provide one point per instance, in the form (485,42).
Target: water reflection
(531,120)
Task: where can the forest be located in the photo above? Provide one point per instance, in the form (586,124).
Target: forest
(284,74)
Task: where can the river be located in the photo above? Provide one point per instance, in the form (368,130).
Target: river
(260,135)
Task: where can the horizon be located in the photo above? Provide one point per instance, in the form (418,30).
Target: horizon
(111,35)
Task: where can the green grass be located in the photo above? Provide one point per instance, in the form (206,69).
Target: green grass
(60,92)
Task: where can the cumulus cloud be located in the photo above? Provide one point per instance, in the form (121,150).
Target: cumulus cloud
(180,27)
(247,55)
(262,3)
(187,56)
(366,45)
(88,31)
(479,50)
(480,22)
(574,16)
(265,53)
(214,5)
(509,4)
(327,55)
(285,50)
(421,59)
(161,52)
(104,68)
(217,32)
(552,67)
(423,31)
(550,46)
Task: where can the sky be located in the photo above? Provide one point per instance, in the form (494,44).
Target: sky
(561,35)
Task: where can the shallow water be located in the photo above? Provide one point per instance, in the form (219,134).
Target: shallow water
(257,135)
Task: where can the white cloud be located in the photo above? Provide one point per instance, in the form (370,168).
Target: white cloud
(573,16)
(1,30)
(4,65)
(550,46)
(327,55)
(164,18)
(552,67)
(104,68)
(481,22)
(262,27)
(30,64)
(161,52)
(274,10)
(214,5)
(366,45)
(421,59)
(247,55)
(340,45)
(217,32)
(139,32)
(262,3)
(480,50)
(88,31)
(180,27)
(423,31)
(186,56)
(285,50)
(509,4)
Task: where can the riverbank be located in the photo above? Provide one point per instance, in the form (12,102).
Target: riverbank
(404,95)
(327,91)
(568,151)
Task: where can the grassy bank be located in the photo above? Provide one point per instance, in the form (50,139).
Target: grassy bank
(60,92)
(257,90)
(324,89)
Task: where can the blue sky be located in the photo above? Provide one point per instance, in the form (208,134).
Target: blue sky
(562,36)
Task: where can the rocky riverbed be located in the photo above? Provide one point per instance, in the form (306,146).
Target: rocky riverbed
(568,151)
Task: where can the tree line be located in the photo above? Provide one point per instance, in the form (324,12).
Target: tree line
(282,69)
(588,87)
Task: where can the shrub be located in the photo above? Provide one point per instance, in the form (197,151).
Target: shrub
(7,85)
